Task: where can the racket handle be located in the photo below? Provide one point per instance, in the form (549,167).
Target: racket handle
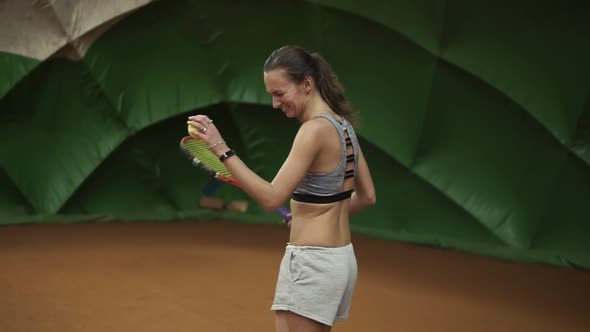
(285,213)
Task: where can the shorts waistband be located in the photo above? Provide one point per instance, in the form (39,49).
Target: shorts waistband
(334,250)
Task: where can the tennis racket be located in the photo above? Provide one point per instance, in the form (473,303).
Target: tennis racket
(200,155)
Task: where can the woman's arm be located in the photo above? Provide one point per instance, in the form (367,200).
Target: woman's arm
(270,195)
(364,190)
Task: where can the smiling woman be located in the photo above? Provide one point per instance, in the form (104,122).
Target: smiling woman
(326,176)
(290,66)
(478,137)
(281,90)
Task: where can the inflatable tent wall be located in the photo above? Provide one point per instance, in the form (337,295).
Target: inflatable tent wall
(475,115)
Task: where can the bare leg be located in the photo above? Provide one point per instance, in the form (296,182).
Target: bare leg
(290,322)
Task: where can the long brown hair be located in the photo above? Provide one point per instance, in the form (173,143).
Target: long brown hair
(298,63)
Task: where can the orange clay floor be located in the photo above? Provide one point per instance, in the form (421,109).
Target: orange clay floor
(220,276)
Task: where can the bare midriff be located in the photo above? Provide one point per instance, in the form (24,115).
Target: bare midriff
(323,225)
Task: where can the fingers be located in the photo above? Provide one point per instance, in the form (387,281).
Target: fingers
(197,127)
(203,128)
(200,122)
(197,134)
(201,119)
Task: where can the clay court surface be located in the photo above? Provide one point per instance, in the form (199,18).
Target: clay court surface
(220,276)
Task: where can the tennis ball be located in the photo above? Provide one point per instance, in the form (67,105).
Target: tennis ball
(190,129)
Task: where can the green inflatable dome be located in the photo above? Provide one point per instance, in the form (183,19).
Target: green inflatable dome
(475,115)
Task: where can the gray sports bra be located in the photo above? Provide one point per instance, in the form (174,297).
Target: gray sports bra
(327,187)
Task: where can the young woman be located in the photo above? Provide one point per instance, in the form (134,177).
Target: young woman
(327,178)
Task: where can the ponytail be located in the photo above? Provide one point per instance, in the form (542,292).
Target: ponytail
(331,90)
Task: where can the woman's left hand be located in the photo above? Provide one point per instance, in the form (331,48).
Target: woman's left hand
(207,131)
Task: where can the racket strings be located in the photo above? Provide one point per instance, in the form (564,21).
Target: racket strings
(199,149)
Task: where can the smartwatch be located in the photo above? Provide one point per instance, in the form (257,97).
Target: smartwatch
(227,154)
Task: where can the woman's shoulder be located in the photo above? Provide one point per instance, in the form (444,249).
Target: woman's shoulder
(315,125)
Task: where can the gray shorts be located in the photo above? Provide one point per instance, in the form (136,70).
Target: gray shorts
(316,282)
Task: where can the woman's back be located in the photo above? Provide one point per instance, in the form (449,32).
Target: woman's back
(331,174)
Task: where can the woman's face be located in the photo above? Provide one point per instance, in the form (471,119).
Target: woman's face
(287,96)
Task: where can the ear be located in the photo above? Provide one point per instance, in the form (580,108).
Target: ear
(308,84)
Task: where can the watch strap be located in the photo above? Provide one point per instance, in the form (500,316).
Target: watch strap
(227,154)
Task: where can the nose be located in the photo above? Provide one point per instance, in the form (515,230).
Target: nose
(275,103)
